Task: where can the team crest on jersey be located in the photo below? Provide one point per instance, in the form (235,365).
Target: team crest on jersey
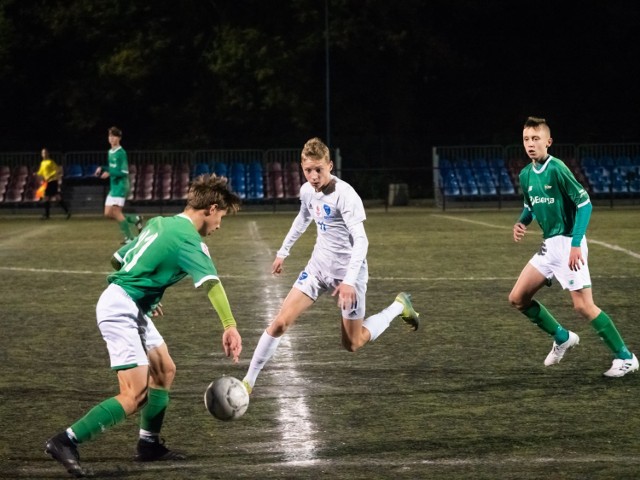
(303,276)
(327,209)
(205,249)
(548,187)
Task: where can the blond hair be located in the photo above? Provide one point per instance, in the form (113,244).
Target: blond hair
(315,149)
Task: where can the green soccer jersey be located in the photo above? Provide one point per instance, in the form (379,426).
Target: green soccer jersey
(168,249)
(553,195)
(118,173)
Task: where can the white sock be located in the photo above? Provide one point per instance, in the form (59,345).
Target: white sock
(378,323)
(265,349)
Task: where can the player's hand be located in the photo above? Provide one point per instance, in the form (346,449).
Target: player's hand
(519,229)
(276,267)
(347,298)
(104,175)
(232,343)
(157,312)
(575,259)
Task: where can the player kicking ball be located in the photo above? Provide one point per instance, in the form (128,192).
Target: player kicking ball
(562,207)
(167,250)
(338,263)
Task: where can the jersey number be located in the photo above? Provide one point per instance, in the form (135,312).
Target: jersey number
(143,242)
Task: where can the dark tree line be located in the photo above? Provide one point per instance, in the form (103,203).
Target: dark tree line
(403,75)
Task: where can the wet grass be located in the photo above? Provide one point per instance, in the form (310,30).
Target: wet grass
(465,397)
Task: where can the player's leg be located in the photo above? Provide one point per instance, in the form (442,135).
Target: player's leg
(113,209)
(356,333)
(293,306)
(162,371)
(47,207)
(624,361)
(530,281)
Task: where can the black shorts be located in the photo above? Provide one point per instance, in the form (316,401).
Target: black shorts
(52,188)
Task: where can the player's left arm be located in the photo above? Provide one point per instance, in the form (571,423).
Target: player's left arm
(346,289)
(579,196)
(231,340)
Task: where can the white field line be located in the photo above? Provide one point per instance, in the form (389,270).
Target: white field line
(248,277)
(502,227)
(295,425)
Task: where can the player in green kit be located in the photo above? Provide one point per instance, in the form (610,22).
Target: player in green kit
(167,250)
(562,207)
(117,171)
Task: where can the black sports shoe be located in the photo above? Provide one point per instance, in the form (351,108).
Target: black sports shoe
(156,451)
(62,449)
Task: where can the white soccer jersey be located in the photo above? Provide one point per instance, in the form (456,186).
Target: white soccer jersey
(336,210)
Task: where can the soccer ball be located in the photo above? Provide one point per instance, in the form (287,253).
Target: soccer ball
(226,398)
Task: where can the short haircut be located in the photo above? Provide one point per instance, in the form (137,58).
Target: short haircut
(536,122)
(115,131)
(315,149)
(207,190)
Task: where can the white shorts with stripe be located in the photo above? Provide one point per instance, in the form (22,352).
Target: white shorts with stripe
(553,261)
(128,332)
(313,283)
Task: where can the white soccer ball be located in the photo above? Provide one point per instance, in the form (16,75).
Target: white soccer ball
(226,398)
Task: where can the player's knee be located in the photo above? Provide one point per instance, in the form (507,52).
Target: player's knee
(277,328)
(350,345)
(516,301)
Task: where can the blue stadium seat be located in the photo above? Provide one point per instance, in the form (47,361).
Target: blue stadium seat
(73,170)
(200,169)
(220,168)
(89,170)
(238,179)
(255,187)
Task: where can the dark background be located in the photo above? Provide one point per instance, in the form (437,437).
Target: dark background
(403,75)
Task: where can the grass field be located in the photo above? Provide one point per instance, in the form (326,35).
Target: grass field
(465,397)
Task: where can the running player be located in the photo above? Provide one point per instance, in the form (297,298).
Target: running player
(168,249)
(562,208)
(338,263)
(117,171)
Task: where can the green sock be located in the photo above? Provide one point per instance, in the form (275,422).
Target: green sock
(132,219)
(607,331)
(126,231)
(98,419)
(539,315)
(152,414)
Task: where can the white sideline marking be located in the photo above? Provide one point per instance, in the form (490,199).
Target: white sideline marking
(247,277)
(502,227)
(295,424)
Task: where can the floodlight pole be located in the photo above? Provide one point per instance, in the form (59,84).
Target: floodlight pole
(327,89)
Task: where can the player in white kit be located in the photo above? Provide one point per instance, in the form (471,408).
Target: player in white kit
(337,265)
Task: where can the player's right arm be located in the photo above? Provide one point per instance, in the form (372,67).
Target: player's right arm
(231,339)
(298,227)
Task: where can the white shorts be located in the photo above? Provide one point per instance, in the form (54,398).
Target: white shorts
(313,283)
(553,261)
(117,201)
(128,332)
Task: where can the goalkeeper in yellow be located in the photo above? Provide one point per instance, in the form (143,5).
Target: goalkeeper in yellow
(562,207)
(167,250)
